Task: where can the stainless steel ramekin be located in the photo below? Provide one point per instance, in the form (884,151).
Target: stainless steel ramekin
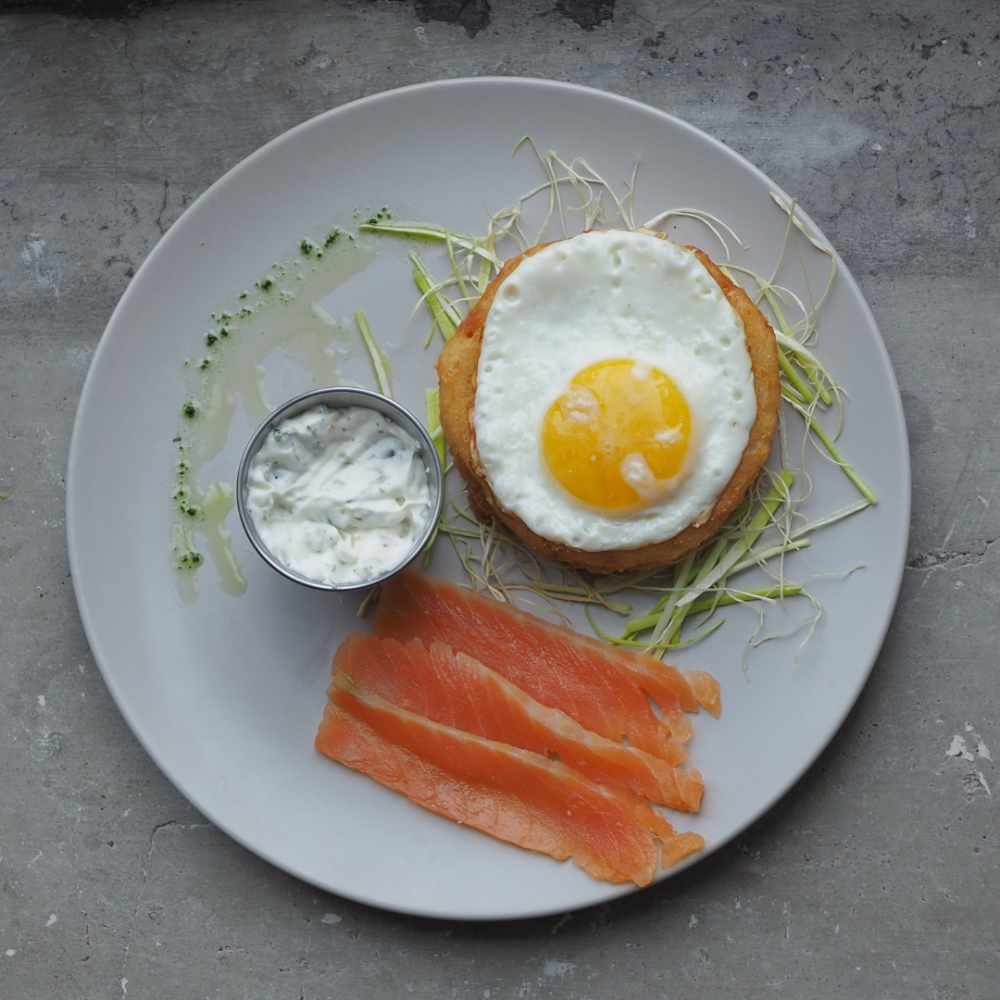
(337,398)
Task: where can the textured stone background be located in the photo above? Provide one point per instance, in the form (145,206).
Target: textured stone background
(877,876)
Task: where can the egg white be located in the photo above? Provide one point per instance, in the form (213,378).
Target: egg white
(597,297)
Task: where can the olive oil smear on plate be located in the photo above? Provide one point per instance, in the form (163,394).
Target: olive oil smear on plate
(280,311)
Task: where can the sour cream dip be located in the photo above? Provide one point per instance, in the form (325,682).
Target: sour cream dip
(339,496)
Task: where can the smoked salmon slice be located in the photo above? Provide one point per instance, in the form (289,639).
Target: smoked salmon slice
(706,690)
(457,690)
(603,688)
(518,796)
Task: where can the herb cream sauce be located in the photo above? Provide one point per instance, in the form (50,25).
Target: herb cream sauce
(339,496)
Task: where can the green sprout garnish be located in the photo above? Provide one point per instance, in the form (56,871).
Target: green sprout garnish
(434,427)
(677,604)
(379,363)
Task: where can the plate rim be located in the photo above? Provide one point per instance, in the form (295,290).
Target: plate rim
(75,475)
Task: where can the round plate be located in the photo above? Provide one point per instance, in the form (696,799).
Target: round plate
(226,693)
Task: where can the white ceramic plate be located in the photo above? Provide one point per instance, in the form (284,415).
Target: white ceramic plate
(226,693)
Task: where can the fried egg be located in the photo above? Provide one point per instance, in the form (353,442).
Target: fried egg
(614,392)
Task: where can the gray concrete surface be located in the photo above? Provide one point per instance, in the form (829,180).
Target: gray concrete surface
(877,876)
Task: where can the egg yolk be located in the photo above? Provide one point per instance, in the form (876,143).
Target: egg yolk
(619,436)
